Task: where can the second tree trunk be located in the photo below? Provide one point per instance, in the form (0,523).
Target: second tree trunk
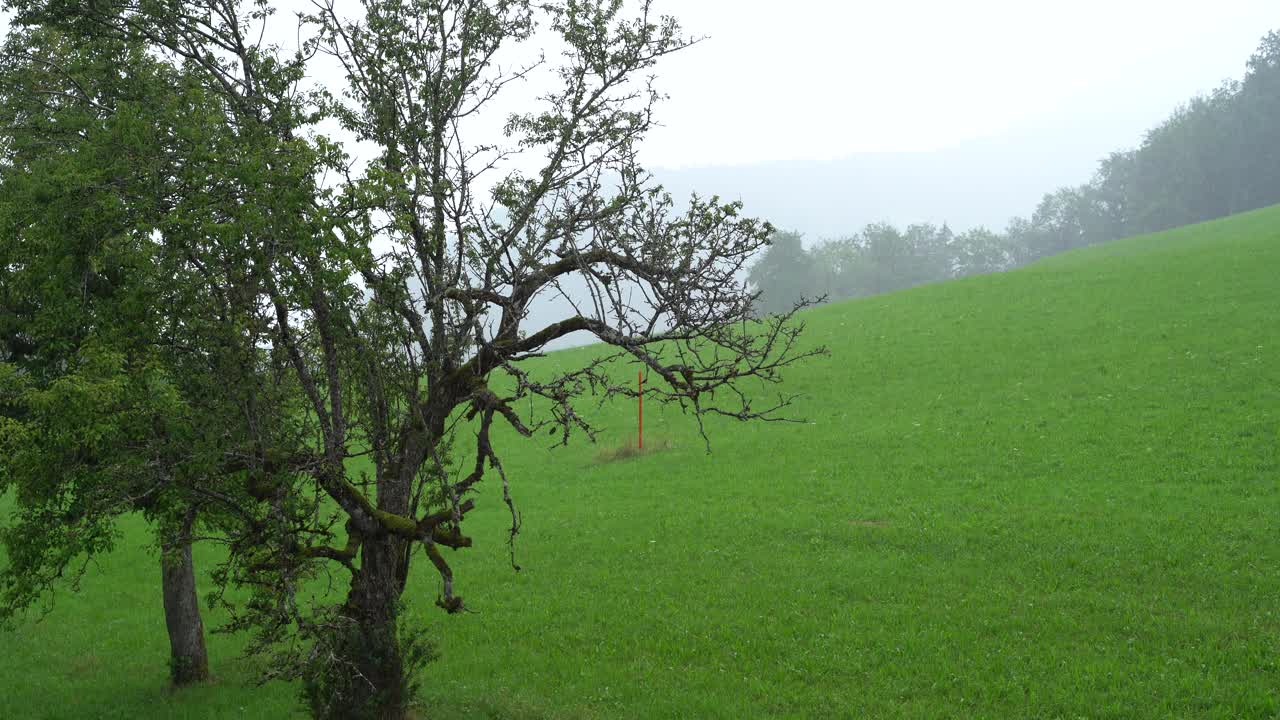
(189,660)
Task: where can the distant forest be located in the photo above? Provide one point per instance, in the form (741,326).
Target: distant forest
(1217,155)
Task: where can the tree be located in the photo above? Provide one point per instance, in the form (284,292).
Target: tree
(926,248)
(886,252)
(390,302)
(1112,189)
(784,275)
(1066,219)
(1257,134)
(1025,241)
(97,418)
(979,251)
(839,263)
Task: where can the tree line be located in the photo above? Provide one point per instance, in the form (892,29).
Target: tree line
(1216,155)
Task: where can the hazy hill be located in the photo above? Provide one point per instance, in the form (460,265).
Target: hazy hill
(984,181)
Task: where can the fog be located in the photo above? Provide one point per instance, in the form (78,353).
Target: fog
(823,117)
(815,80)
(967,118)
(967,127)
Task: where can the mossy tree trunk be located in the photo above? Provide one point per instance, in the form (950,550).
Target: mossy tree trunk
(365,676)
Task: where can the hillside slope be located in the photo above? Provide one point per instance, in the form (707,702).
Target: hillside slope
(1053,492)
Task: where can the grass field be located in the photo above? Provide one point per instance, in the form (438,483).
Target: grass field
(1048,493)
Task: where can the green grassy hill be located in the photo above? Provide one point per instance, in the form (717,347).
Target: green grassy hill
(1048,493)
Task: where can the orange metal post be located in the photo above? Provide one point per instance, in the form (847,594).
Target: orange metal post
(640,401)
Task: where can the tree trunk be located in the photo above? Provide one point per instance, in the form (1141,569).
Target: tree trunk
(366,678)
(189,660)
(368,673)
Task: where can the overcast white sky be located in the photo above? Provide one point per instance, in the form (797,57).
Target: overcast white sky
(810,79)
(1023,95)
(819,79)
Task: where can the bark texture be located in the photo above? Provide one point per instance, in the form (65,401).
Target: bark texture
(189,659)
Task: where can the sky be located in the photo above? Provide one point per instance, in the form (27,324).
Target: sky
(823,116)
(781,104)
(821,79)
(815,80)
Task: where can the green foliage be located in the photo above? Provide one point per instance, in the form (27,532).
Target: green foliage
(118,371)
(74,462)
(81,398)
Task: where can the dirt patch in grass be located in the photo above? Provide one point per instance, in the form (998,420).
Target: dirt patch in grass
(85,664)
(870,523)
(629,449)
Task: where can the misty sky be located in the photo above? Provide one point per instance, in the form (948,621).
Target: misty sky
(823,116)
(822,79)
(813,79)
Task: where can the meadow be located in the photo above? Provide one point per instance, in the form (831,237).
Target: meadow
(1053,492)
